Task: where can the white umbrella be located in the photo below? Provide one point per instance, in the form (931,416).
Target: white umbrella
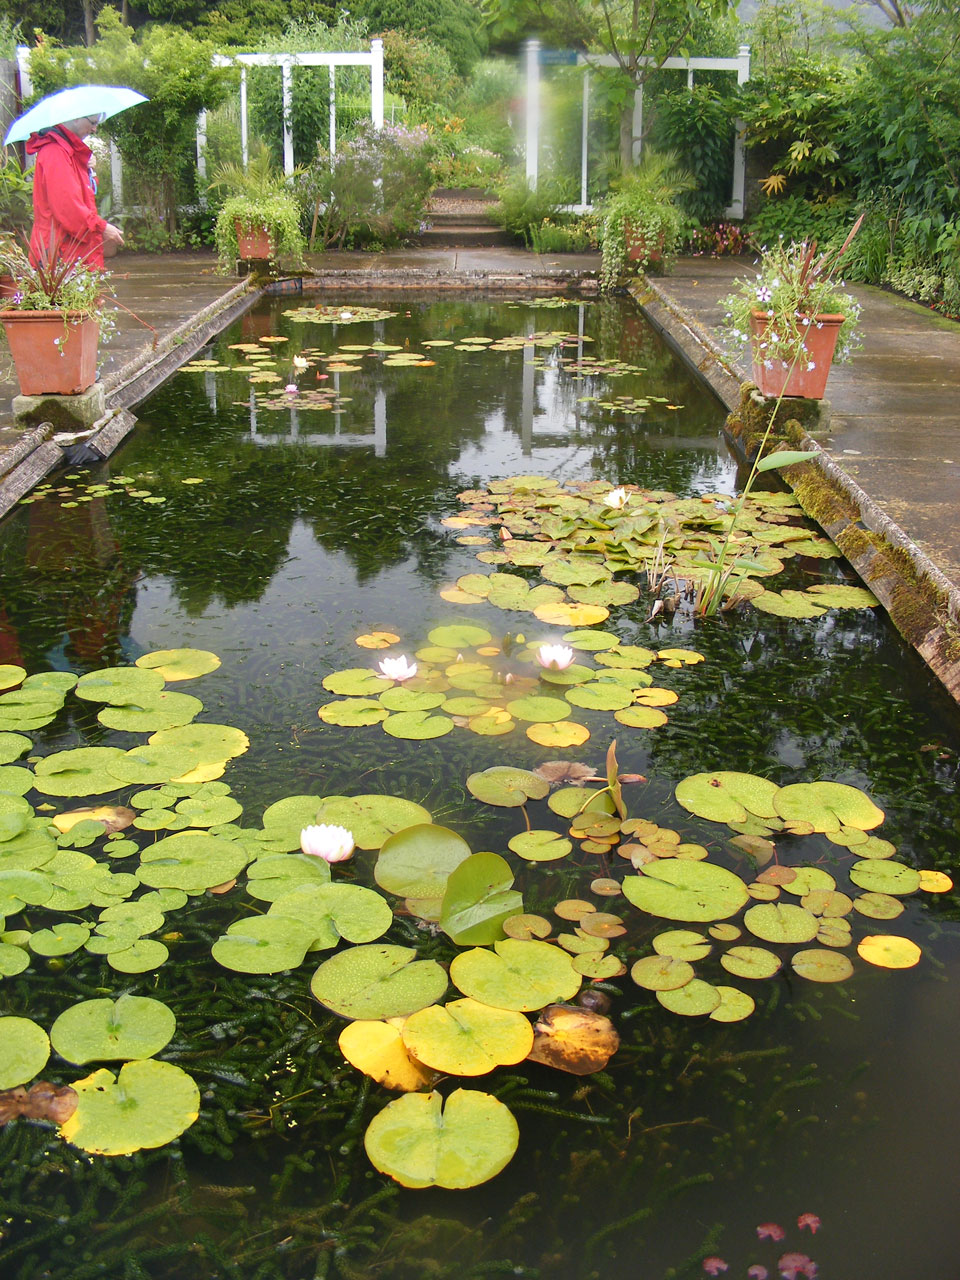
(103,100)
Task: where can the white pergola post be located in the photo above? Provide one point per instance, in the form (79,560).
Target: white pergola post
(286,76)
(737,206)
(244,131)
(533,112)
(202,148)
(116,177)
(376,83)
(637,126)
(584,137)
(333,111)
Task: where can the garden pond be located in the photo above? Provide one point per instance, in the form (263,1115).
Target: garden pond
(644,964)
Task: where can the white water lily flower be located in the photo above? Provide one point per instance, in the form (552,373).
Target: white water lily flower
(555,657)
(300,363)
(616,498)
(332,844)
(398,668)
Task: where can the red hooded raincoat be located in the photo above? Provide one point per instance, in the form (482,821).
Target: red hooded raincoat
(65,214)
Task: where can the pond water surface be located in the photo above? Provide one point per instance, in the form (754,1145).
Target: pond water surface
(247,521)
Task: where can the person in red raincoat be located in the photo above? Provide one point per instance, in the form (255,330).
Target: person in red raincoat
(66,224)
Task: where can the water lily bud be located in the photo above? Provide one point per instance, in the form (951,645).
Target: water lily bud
(616,498)
(398,668)
(333,844)
(555,657)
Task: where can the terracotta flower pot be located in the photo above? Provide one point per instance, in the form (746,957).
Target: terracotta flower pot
(639,249)
(253,242)
(819,344)
(8,286)
(55,353)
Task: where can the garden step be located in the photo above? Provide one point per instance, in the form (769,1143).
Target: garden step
(462,237)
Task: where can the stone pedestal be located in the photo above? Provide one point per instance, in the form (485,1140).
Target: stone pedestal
(67,413)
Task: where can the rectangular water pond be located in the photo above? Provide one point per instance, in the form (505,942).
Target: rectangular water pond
(729,942)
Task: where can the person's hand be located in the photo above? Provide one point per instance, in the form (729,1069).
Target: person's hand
(112,239)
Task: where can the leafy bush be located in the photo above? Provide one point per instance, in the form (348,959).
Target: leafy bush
(523,209)
(373,191)
(643,208)
(465,166)
(794,218)
(698,126)
(578,235)
(277,213)
(717,240)
(16,196)
(417,70)
(455,25)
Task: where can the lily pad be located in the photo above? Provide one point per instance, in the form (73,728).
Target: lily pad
(82,771)
(11,675)
(270,878)
(693,1000)
(141,957)
(516,975)
(13,746)
(600,697)
(682,944)
(371,818)
(179,664)
(59,940)
(562,733)
(727,797)
(477,900)
(459,636)
(889,951)
(353,713)
(540,846)
(734,1005)
(335,911)
(24,1049)
(102,1030)
(781,922)
(417,726)
(505,787)
(420,1141)
(883,875)
(750,962)
(680,889)
(417,862)
(359,681)
(119,686)
(211,742)
(263,944)
(579,1041)
(376,1048)
(377,981)
(641,717)
(828,806)
(147,1105)
(820,965)
(467,1038)
(192,861)
(662,973)
(163,710)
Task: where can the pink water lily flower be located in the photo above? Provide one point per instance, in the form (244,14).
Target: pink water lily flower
(714,1266)
(332,844)
(555,657)
(757,1272)
(770,1231)
(291,388)
(398,668)
(792,1265)
(616,498)
(809,1220)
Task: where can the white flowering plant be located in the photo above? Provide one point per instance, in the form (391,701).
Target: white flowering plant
(793,286)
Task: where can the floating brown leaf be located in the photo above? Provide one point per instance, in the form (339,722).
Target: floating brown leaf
(574,1040)
(565,771)
(43,1101)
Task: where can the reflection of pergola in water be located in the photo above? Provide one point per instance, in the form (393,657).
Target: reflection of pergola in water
(377,439)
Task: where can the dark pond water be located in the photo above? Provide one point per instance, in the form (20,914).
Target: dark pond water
(282,535)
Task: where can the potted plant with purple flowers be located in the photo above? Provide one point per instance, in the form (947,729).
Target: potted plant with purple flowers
(796,317)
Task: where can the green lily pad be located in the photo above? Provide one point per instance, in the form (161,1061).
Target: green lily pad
(662,973)
(828,806)
(22,888)
(263,944)
(591,641)
(270,878)
(11,675)
(285,819)
(119,686)
(164,710)
(60,940)
(152,764)
(679,889)
(211,742)
(734,1005)
(371,818)
(335,911)
(179,664)
(885,876)
(641,717)
(401,698)
(781,922)
(83,771)
(24,1049)
(819,965)
(788,604)
(378,981)
(417,862)
(569,801)
(838,595)
(600,697)
(140,957)
(353,713)
(539,709)
(53,681)
(209,811)
(105,1030)
(147,1105)
(682,944)
(13,960)
(16,814)
(466,1038)
(540,846)
(693,1000)
(627,655)
(520,975)
(608,593)
(192,861)
(13,746)
(420,1141)
(477,900)
(356,680)
(727,797)
(878,906)
(506,787)
(459,636)
(417,726)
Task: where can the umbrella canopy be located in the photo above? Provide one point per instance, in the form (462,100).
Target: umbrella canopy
(103,100)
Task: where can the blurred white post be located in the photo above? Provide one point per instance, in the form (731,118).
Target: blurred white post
(116,177)
(637,125)
(202,149)
(244,132)
(533,111)
(376,83)
(737,201)
(286,73)
(584,136)
(333,111)
(380,424)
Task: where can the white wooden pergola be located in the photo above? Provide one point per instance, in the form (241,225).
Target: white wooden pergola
(535,57)
(286,62)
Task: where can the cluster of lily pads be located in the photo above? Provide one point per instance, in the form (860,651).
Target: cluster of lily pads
(464,678)
(582,535)
(74,495)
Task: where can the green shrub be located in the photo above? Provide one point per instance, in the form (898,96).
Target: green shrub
(792,218)
(522,209)
(698,126)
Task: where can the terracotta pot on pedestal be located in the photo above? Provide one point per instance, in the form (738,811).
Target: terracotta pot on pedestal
(55,352)
(819,344)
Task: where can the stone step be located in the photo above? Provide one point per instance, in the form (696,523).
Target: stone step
(464,237)
(467,218)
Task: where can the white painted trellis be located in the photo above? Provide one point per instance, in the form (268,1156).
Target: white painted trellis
(286,62)
(535,56)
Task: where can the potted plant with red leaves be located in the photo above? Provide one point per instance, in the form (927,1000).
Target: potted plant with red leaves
(796,317)
(53,320)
